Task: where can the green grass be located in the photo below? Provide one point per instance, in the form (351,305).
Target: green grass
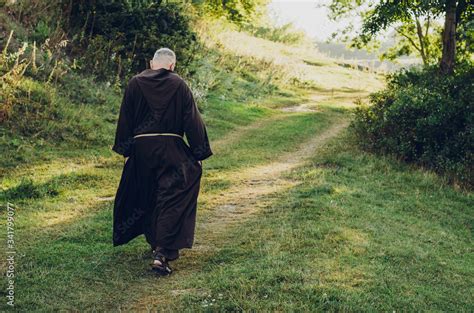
(51,119)
(223,116)
(71,248)
(359,233)
(272,139)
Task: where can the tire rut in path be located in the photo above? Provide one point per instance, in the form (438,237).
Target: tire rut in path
(253,185)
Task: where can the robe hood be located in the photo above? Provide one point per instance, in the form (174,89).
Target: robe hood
(158,87)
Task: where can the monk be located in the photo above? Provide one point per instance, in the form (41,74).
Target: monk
(159,187)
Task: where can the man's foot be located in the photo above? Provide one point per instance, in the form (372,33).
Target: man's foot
(160,265)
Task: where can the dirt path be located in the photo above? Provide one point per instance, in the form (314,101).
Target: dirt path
(253,185)
(253,189)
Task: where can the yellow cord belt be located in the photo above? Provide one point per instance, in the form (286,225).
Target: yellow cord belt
(158,134)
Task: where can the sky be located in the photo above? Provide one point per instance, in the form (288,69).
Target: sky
(308,15)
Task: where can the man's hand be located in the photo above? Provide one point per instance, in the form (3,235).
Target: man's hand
(126,160)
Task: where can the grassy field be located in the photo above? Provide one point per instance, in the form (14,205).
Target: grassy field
(292,216)
(357,233)
(64,213)
(350,232)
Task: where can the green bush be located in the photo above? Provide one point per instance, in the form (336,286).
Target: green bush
(423,117)
(118,38)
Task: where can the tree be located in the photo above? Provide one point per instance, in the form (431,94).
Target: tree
(420,37)
(378,16)
(452,9)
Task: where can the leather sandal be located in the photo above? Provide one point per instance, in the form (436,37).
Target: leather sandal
(160,266)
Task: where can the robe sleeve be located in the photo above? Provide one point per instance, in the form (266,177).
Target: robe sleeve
(125,124)
(194,127)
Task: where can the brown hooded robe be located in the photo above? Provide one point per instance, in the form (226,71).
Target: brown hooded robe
(158,190)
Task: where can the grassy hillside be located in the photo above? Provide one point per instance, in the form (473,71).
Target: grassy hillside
(76,112)
(75,119)
(300,65)
(292,216)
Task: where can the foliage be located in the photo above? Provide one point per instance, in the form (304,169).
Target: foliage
(11,71)
(42,99)
(109,39)
(118,38)
(465,45)
(240,12)
(413,22)
(423,117)
(425,44)
(34,105)
(251,16)
(46,63)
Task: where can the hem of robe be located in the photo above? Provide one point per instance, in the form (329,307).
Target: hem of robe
(125,241)
(117,243)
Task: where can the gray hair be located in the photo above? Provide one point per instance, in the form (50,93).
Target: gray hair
(164,55)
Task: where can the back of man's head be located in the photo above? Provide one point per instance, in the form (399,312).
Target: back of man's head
(164,58)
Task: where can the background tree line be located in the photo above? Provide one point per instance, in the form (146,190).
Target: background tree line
(416,24)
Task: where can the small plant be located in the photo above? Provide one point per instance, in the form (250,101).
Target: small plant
(47,64)
(12,69)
